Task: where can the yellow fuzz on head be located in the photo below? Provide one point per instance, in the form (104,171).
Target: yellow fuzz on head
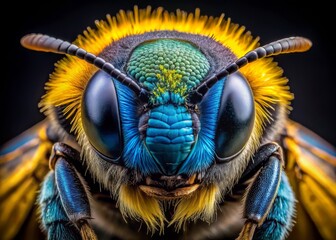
(201,205)
(135,204)
(67,83)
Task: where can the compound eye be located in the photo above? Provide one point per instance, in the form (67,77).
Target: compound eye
(235,117)
(100,116)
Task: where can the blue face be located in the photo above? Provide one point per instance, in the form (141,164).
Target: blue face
(169,68)
(169,137)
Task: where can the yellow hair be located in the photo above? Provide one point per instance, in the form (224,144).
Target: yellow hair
(135,204)
(201,205)
(67,83)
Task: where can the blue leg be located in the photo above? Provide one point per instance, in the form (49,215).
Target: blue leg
(65,208)
(279,220)
(265,207)
(54,219)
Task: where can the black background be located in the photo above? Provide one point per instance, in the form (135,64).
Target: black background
(311,74)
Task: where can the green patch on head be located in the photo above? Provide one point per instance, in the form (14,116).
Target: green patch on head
(168,67)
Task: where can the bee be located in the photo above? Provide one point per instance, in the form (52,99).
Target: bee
(167,125)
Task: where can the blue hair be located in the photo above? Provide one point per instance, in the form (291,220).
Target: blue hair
(135,154)
(202,155)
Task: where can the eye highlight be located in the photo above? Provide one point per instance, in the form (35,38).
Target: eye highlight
(235,117)
(100,116)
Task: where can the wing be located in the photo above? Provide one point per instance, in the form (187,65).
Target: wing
(311,167)
(23,165)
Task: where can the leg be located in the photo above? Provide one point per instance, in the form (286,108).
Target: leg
(262,192)
(54,219)
(279,220)
(64,201)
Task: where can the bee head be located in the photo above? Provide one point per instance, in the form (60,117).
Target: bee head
(167,108)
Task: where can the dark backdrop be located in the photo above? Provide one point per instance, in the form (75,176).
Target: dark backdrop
(311,74)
